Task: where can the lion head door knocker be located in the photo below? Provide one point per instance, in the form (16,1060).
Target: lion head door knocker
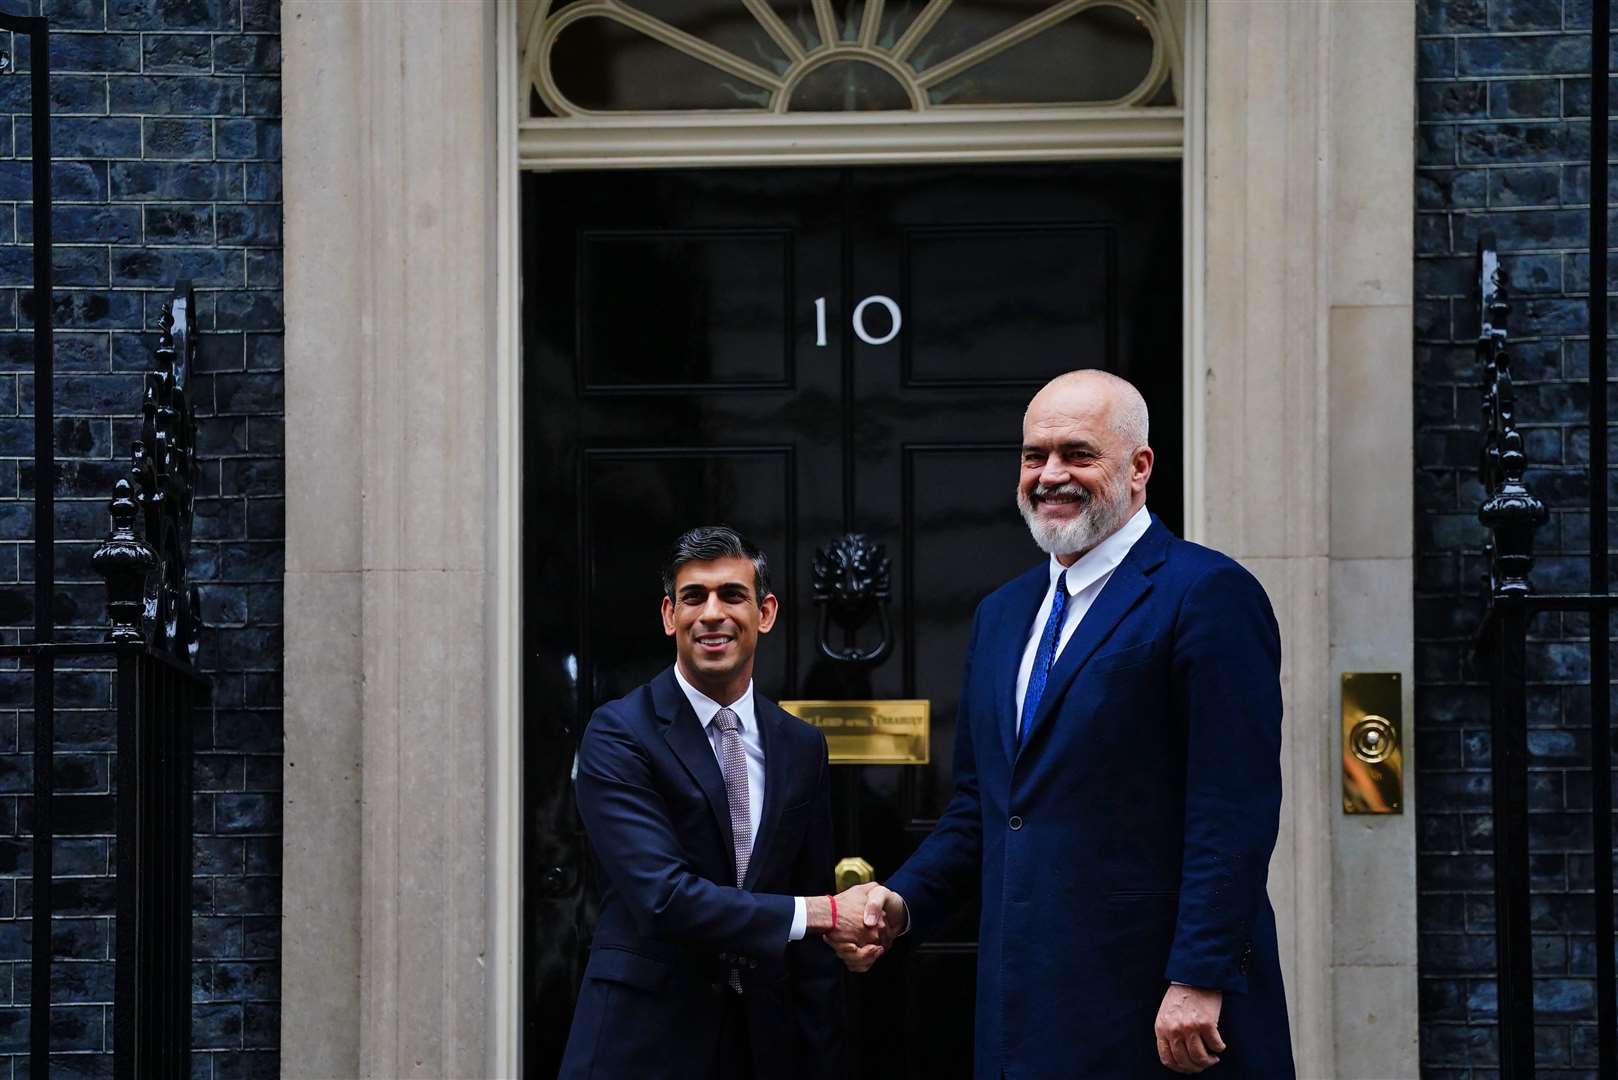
(850,583)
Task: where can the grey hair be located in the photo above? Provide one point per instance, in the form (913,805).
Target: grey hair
(705,543)
(1131,421)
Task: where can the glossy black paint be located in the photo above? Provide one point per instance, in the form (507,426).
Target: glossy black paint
(673,376)
(1511,514)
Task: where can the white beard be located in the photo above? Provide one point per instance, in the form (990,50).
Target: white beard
(1096,520)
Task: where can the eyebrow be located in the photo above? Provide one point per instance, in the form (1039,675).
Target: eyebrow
(693,587)
(1078,444)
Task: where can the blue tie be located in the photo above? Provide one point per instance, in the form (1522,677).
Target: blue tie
(1044,658)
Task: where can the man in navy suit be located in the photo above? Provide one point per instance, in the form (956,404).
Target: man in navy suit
(709,812)
(1117,781)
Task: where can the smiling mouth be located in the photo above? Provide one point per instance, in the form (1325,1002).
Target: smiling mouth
(714,642)
(1041,501)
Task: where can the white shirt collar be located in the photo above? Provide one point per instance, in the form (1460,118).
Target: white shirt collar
(706,707)
(1102,559)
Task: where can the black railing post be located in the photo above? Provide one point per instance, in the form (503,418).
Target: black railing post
(152,611)
(129,1013)
(1600,642)
(1511,514)
(1509,776)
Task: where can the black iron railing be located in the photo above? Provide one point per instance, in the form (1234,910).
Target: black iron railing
(151,645)
(1512,514)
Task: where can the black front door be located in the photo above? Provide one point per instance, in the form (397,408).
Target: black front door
(803,353)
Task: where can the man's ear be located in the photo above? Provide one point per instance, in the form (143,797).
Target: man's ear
(668,617)
(768,609)
(1141,468)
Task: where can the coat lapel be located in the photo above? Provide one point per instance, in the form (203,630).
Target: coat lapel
(690,744)
(775,783)
(1128,584)
(1010,639)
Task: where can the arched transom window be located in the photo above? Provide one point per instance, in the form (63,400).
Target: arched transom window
(640,61)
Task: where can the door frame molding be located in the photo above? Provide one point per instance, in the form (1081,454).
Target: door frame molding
(693,141)
(504,1048)
(768,139)
(401,878)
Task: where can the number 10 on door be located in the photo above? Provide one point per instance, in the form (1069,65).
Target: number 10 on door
(857,321)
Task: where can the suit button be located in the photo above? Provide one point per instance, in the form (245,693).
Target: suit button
(1015,822)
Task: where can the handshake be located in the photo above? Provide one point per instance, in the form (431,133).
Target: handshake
(859,923)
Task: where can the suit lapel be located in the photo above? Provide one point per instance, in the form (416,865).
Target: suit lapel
(769,716)
(1010,640)
(1128,584)
(690,744)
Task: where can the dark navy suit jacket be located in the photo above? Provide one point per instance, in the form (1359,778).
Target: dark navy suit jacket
(1126,844)
(653,801)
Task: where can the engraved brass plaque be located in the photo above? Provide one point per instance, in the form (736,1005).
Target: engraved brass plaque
(1373,743)
(881,732)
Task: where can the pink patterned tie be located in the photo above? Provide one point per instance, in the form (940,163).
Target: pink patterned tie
(733,762)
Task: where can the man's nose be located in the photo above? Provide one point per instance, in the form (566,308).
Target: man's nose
(1055,473)
(713,610)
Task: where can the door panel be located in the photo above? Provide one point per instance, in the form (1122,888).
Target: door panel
(676,372)
(685,309)
(1044,282)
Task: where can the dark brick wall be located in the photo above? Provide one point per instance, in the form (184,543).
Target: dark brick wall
(167,136)
(1502,144)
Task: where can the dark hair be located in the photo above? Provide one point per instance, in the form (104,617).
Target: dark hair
(706,543)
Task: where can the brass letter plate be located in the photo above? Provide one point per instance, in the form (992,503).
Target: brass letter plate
(1373,743)
(892,732)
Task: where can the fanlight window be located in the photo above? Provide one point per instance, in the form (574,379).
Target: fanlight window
(586,57)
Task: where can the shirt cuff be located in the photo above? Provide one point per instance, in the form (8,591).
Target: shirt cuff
(800,919)
(906,907)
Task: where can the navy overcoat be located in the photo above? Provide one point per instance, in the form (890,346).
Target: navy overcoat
(1127,842)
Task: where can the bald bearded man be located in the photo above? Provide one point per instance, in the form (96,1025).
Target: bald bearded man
(1117,781)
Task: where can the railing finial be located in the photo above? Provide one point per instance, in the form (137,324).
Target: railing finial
(126,562)
(1511,513)
(159,490)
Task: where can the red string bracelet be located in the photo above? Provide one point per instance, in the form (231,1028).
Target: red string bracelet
(833,900)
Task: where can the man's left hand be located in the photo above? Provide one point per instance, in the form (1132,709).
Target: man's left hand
(1188,1029)
(858,920)
(869,918)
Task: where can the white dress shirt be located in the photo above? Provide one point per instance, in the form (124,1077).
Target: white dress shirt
(1086,578)
(706,709)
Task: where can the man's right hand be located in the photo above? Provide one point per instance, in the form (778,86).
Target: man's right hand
(878,916)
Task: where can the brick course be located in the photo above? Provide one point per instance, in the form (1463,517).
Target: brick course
(1502,145)
(166,128)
